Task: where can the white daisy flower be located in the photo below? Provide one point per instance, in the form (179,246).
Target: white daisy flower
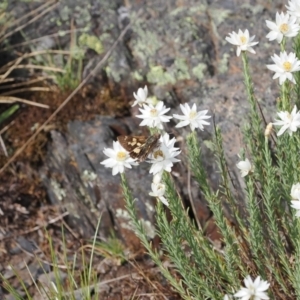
(285,26)
(295,191)
(140,96)
(284,66)
(294,9)
(245,167)
(192,117)
(242,40)
(158,191)
(164,157)
(154,115)
(118,159)
(289,121)
(253,290)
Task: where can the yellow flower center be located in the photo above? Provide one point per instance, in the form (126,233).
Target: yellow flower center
(160,187)
(158,153)
(252,290)
(284,28)
(287,66)
(121,156)
(153,112)
(243,39)
(193,114)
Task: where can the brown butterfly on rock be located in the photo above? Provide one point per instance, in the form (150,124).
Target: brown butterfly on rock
(140,146)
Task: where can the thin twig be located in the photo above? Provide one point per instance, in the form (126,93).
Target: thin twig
(142,273)
(85,80)
(63,267)
(76,236)
(6,127)
(191,199)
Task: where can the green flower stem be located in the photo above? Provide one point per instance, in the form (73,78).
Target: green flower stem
(274,227)
(284,104)
(254,132)
(226,185)
(173,239)
(296,282)
(255,237)
(250,91)
(282,44)
(296,87)
(206,261)
(285,97)
(233,258)
(140,232)
(286,159)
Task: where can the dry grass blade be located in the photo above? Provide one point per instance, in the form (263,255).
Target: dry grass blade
(25,83)
(18,60)
(3,76)
(15,64)
(8,99)
(6,127)
(19,20)
(44,68)
(3,146)
(29,89)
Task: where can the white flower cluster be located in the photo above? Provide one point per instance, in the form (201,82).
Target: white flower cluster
(286,25)
(163,157)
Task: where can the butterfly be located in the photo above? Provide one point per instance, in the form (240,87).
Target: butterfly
(140,146)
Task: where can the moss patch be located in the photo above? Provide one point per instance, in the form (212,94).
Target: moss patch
(91,42)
